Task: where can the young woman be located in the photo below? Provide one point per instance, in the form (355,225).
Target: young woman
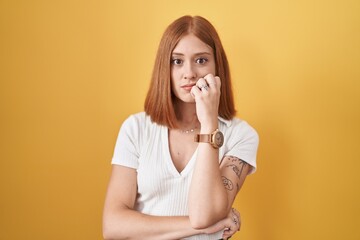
(178,166)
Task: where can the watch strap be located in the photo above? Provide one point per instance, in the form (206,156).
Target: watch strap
(203,138)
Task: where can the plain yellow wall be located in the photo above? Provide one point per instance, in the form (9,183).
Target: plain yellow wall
(72,71)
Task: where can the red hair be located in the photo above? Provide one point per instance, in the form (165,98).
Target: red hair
(159,103)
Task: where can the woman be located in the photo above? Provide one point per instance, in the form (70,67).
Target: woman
(178,166)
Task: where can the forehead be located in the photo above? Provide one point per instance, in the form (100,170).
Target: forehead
(190,44)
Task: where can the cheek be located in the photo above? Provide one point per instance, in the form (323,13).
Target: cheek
(213,68)
(205,71)
(175,77)
(172,76)
(173,83)
(174,73)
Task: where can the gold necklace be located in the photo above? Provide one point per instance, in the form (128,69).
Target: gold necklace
(189,130)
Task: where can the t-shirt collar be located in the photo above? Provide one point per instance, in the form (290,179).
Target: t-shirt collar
(226,122)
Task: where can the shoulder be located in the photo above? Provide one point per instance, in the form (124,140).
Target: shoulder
(237,128)
(139,119)
(240,140)
(139,125)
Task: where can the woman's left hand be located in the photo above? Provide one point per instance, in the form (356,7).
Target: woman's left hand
(234,224)
(207,97)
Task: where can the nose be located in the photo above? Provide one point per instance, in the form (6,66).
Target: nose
(189,71)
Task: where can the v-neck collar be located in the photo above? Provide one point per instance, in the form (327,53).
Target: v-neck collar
(169,161)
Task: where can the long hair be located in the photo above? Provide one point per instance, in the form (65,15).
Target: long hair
(159,103)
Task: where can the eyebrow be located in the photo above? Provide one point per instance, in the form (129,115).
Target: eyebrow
(196,54)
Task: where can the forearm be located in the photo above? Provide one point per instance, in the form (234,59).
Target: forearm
(208,201)
(130,224)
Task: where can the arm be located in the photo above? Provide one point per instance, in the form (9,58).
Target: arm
(121,221)
(212,189)
(208,201)
(234,172)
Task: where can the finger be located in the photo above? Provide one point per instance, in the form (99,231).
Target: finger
(210,79)
(201,83)
(195,91)
(228,233)
(236,213)
(239,219)
(237,222)
(236,219)
(213,82)
(218,82)
(237,226)
(204,88)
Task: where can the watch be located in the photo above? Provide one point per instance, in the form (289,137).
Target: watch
(216,138)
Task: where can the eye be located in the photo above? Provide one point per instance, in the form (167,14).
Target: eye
(176,61)
(201,60)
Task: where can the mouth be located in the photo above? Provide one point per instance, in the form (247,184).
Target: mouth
(188,87)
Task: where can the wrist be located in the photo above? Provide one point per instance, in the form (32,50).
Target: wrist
(215,138)
(208,130)
(209,127)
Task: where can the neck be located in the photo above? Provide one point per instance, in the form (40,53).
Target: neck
(186,115)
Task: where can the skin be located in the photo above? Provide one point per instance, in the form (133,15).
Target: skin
(193,66)
(191,59)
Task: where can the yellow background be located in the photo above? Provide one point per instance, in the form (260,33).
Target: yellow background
(72,71)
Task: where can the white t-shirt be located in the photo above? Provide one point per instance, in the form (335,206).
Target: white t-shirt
(162,190)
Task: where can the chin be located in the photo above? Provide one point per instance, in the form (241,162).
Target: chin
(185,99)
(188,100)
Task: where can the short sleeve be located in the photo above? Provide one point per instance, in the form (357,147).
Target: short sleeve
(243,143)
(126,151)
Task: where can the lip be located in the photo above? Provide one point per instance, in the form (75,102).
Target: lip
(188,87)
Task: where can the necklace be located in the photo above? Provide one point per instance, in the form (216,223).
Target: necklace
(189,130)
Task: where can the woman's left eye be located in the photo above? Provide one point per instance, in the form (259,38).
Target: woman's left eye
(201,60)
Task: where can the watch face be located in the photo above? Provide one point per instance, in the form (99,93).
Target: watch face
(219,139)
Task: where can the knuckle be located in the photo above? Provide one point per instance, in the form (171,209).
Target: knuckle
(209,75)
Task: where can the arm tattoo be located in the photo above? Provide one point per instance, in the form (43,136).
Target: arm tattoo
(235,168)
(227,183)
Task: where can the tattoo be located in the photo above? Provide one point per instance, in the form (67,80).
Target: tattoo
(235,168)
(227,183)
